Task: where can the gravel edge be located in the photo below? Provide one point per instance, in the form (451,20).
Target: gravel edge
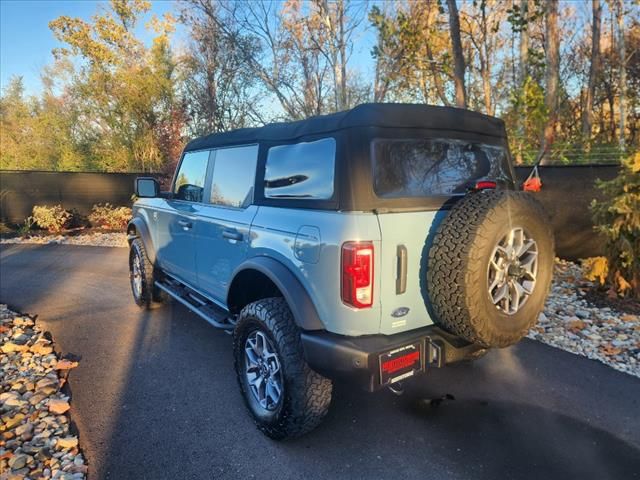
(36,439)
(96,239)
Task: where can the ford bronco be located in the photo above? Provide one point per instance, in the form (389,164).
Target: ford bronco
(373,244)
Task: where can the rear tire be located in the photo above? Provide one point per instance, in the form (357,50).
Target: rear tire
(304,395)
(488,232)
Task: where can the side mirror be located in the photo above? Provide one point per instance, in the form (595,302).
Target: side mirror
(147,187)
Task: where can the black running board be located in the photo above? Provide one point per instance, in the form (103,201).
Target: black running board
(197,303)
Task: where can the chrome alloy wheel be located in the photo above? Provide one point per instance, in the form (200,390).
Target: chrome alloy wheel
(513,267)
(136,276)
(263,371)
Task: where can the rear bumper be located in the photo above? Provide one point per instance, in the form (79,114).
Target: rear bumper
(358,358)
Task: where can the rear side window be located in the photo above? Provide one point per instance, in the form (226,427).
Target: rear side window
(191,176)
(424,167)
(302,170)
(234,174)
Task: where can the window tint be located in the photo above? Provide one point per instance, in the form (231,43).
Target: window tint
(191,176)
(303,170)
(416,168)
(234,173)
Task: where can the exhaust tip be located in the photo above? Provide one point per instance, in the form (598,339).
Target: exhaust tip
(396,388)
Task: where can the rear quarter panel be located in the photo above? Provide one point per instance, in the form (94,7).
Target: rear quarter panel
(316,261)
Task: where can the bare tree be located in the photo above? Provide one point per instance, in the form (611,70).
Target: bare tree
(333,45)
(525,9)
(219,88)
(594,70)
(331,27)
(458,55)
(275,57)
(526,6)
(552,75)
(482,28)
(622,78)
(412,52)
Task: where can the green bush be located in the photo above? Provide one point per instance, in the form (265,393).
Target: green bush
(53,219)
(110,217)
(618,217)
(26,227)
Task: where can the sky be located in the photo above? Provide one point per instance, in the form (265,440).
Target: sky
(26,40)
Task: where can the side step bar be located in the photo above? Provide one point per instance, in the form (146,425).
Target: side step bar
(205,308)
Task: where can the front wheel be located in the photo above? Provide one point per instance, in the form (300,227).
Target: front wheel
(141,276)
(283,394)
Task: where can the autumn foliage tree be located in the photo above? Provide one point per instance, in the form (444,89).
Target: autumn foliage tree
(110,102)
(565,76)
(130,116)
(618,218)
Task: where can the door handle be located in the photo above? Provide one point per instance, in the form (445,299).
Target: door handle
(401,273)
(232,234)
(185,224)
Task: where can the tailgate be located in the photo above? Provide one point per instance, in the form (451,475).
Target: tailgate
(402,269)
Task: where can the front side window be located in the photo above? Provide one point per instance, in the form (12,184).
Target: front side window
(234,174)
(191,176)
(424,167)
(302,170)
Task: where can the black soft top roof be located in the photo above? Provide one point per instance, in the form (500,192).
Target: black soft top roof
(399,115)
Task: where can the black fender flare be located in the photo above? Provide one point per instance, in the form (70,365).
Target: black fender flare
(304,311)
(142,232)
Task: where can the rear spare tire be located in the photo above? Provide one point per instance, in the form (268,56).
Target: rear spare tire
(490,267)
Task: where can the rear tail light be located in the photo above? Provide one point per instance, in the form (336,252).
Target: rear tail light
(357,274)
(485,185)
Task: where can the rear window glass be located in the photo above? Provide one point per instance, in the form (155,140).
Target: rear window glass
(234,173)
(423,167)
(302,170)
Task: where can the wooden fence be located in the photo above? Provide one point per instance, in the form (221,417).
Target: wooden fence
(566,195)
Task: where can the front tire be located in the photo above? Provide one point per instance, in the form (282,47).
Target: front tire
(283,394)
(142,276)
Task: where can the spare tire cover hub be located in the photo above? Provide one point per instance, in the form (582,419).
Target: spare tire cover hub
(513,265)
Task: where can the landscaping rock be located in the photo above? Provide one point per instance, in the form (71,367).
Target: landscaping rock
(33,425)
(569,322)
(67,442)
(17,462)
(58,406)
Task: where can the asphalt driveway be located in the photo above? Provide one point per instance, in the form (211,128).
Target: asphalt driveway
(155,397)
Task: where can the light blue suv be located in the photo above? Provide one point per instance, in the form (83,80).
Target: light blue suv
(372,244)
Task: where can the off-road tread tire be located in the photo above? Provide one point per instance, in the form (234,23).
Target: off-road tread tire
(454,265)
(151,295)
(307,393)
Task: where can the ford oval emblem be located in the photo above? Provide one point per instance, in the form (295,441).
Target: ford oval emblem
(400,312)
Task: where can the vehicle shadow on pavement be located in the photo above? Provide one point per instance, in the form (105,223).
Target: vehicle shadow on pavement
(182,416)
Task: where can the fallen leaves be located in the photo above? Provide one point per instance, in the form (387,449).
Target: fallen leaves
(576,326)
(65,364)
(609,350)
